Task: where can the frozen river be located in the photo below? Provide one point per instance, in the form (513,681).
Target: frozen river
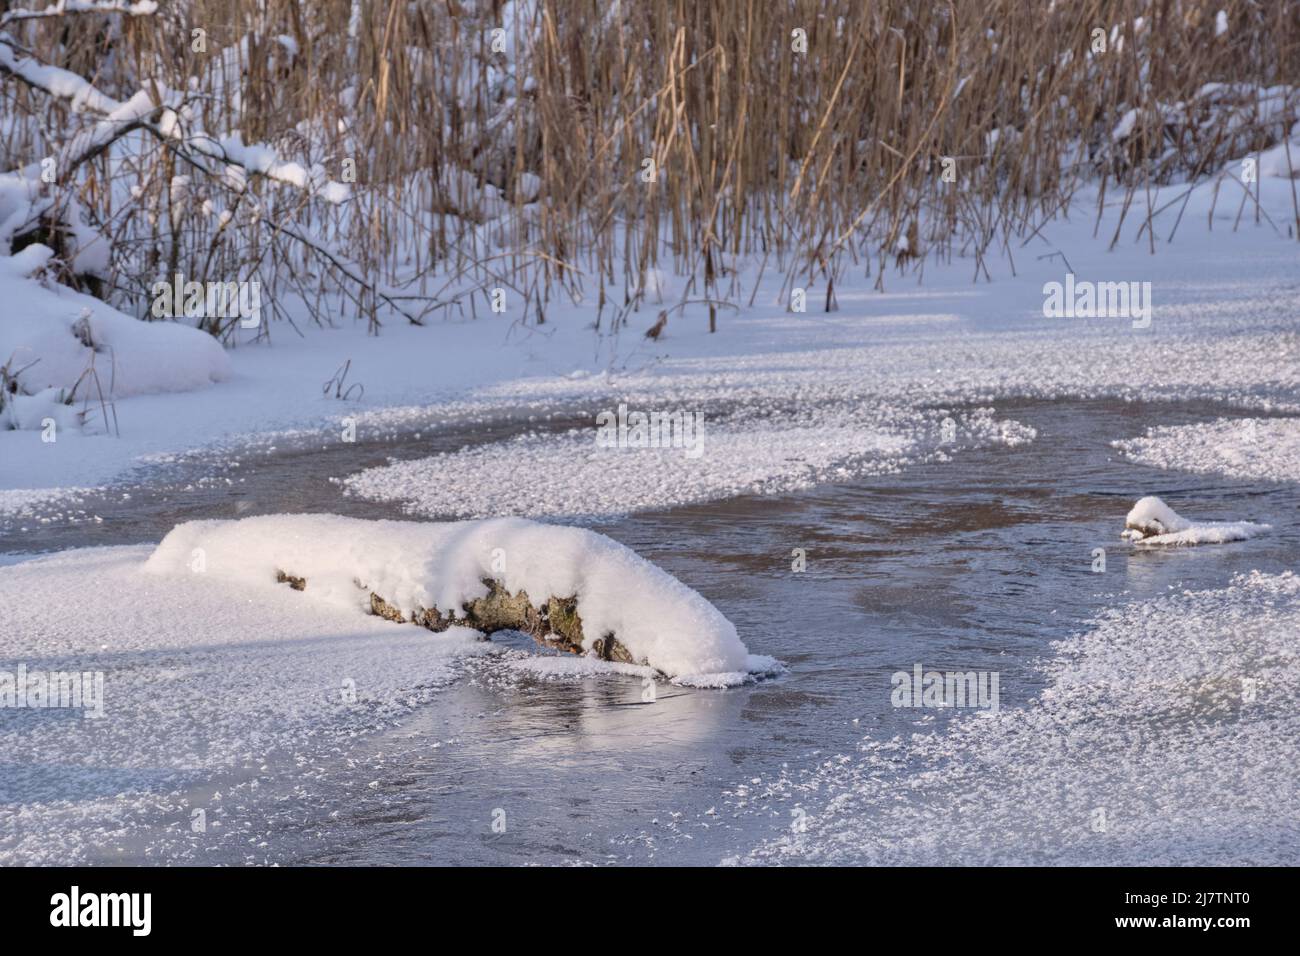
(968,565)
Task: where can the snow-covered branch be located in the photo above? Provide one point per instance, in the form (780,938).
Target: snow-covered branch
(55,81)
(122,117)
(137,8)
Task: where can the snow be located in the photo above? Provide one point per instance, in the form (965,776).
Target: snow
(55,336)
(873,369)
(1206,532)
(1165,735)
(62,83)
(416,565)
(22,502)
(132,8)
(215,671)
(220,680)
(1125,126)
(262,159)
(1280,162)
(570,475)
(203,688)
(1152,522)
(1151,516)
(19,197)
(219,685)
(567,667)
(1256,449)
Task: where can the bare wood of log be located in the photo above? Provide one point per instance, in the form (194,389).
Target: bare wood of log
(555,623)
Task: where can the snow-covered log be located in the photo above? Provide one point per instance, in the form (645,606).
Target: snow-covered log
(569,588)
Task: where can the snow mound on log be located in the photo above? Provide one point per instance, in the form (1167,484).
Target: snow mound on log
(1151,521)
(415,565)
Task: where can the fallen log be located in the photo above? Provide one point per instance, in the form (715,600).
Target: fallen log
(568,588)
(553,623)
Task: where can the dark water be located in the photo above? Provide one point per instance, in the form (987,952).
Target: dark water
(973,564)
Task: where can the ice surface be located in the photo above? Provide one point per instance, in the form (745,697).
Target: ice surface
(570,475)
(21,502)
(1165,735)
(1262,449)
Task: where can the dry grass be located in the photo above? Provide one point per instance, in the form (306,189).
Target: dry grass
(815,164)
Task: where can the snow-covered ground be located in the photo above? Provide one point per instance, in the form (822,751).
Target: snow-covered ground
(77,356)
(1222,328)
(201,686)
